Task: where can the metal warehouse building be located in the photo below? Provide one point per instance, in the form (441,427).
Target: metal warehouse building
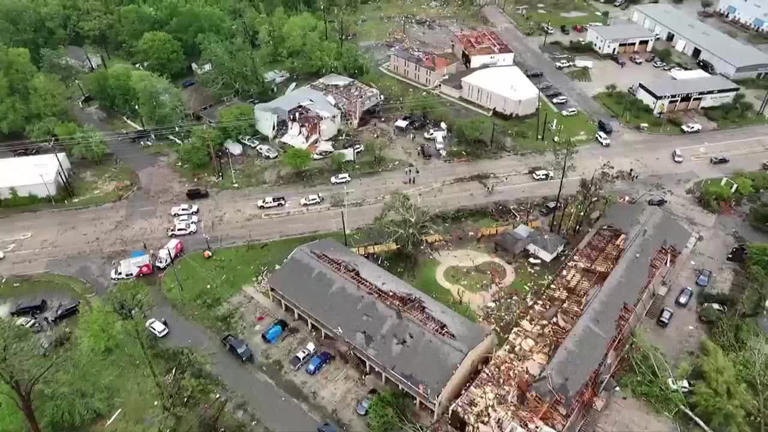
(395,330)
(691,93)
(39,175)
(700,41)
(620,38)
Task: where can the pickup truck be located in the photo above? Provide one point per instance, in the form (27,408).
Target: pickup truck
(237,347)
(302,356)
(271,202)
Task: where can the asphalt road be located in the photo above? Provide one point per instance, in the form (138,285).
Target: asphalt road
(84,242)
(530,55)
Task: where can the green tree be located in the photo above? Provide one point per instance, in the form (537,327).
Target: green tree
(89,144)
(473,131)
(22,369)
(47,97)
(114,89)
(389,411)
(55,62)
(377,148)
(191,21)
(195,151)
(611,88)
(337,162)
(236,67)
(132,22)
(297,159)
(161,53)
(720,398)
(158,100)
(236,120)
(96,22)
(404,222)
(706,4)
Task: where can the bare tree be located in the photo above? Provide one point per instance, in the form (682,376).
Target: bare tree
(404,222)
(21,369)
(562,152)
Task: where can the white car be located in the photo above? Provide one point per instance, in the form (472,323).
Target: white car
(682,385)
(691,127)
(603,139)
(357,148)
(677,156)
(156,327)
(184,209)
(569,112)
(248,140)
(266,151)
(321,154)
(432,133)
(341,178)
(560,100)
(180,220)
(182,229)
(562,64)
(313,199)
(542,175)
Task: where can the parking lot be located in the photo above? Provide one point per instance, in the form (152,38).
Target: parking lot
(334,391)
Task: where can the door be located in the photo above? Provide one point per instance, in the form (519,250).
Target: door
(696,53)
(643,47)
(670,36)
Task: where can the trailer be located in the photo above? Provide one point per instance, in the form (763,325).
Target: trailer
(168,253)
(139,264)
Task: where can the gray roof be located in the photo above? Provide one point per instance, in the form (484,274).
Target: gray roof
(668,87)
(622,31)
(705,37)
(400,343)
(301,96)
(547,242)
(647,229)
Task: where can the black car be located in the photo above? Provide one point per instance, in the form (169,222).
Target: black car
(738,254)
(553,92)
(665,317)
(29,307)
(534,74)
(704,278)
(417,122)
(327,427)
(706,66)
(684,297)
(718,160)
(605,126)
(548,208)
(237,347)
(66,310)
(657,201)
(618,60)
(564,28)
(197,193)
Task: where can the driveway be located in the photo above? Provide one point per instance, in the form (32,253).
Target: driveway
(528,53)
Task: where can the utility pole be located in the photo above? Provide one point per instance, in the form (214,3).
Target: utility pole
(325,20)
(63,173)
(173,265)
(546,33)
(46,189)
(493,132)
(538,113)
(763,104)
(344,228)
(544,129)
(566,155)
(234,181)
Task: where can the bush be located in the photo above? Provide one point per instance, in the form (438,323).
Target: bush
(20,201)
(664,55)
(713,194)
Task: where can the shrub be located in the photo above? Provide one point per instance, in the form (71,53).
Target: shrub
(713,194)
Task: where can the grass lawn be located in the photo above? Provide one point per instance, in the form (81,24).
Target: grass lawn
(206,285)
(632,112)
(552,11)
(581,74)
(44,283)
(424,280)
(94,184)
(523,131)
(376,19)
(753,83)
(474,278)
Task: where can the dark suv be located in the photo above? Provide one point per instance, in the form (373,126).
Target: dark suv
(237,347)
(706,66)
(605,126)
(197,193)
(66,310)
(30,307)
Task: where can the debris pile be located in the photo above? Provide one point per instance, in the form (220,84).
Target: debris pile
(502,393)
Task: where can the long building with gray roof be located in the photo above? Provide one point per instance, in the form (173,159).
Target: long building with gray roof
(424,347)
(692,37)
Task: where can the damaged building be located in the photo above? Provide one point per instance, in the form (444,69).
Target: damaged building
(397,332)
(481,48)
(310,115)
(551,371)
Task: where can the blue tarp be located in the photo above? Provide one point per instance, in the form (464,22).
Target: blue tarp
(138,253)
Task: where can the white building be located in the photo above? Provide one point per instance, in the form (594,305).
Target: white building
(620,38)
(691,37)
(682,94)
(39,175)
(481,48)
(504,89)
(751,13)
